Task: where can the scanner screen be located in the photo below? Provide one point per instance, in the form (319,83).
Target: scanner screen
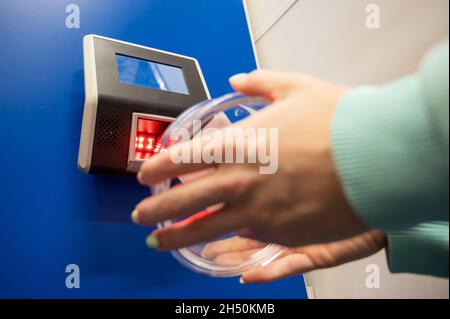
(134,71)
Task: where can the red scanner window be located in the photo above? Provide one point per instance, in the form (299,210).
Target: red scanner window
(148,137)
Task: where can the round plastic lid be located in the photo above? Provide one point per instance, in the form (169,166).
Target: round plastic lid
(229,255)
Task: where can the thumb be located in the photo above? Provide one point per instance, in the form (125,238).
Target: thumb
(269,84)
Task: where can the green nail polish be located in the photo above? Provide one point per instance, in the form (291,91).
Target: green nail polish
(134,216)
(152,242)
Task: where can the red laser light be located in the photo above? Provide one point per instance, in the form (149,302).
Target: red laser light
(148,137)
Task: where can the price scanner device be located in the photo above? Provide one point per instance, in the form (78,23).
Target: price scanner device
(132,93)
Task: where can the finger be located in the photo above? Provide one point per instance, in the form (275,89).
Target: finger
(234,258)
(246,233)
(250,234)
(163,166)
(182,200)
(289,265)
(270,84)
(196,229)
(229,245)
(184,158)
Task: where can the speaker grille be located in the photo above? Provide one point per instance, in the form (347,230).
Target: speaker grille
(111,129)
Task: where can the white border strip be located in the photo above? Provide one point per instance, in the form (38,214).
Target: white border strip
(250,30)
(274,19)
(271,22)
(90,105)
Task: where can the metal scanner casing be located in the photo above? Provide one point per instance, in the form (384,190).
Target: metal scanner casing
(110,105)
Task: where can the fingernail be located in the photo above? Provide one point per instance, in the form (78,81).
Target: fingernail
(241,280)
(151,242)
(238,79)
(134,216)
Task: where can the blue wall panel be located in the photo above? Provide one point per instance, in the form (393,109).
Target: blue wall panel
(51,214)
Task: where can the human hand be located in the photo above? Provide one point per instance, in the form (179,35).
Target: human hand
(301,204)
(294,261)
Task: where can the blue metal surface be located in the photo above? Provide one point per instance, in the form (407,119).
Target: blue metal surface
(51,214)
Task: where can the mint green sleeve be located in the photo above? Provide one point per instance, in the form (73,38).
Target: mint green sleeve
(421,249)
(391,150)
(390,147)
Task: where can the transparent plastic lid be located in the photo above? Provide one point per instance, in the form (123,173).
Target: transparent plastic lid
(229,255)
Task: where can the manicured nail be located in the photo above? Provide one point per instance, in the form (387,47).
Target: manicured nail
(241,280)
(152,242)
(238,79)
(134,216)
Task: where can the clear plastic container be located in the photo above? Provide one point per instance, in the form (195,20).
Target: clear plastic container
(217,113)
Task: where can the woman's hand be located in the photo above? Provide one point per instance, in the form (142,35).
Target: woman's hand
(302,203)
(294,261)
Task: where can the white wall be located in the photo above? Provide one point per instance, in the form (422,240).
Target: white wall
(329,39)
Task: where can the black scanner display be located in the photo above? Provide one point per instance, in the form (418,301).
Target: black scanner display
(132,93)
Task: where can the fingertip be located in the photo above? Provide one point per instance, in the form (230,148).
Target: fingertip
(148,173)
(161,238)
(208,251)
(144,173)
(249,277)
(152,242)
(238,80)
(135,216)
(255,83)
(139,178)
